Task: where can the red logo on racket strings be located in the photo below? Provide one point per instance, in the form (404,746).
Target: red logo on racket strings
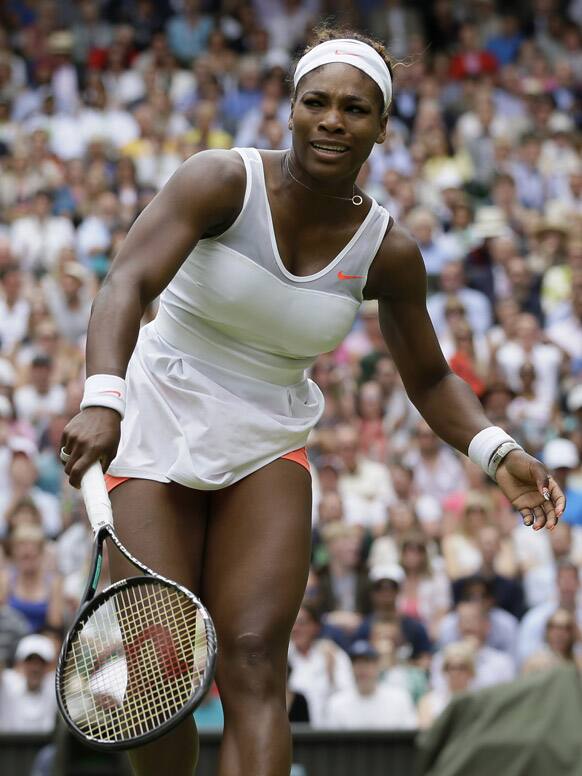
(342,276)
(112,392)
(161,639)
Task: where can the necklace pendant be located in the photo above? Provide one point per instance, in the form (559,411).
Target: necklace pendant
(357,200)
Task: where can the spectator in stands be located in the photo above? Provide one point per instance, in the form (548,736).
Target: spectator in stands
(568,597)
(385,549)
(562,640)
(437,470)
(27,692)
(343,580)
(503,626)
(26,585)
(14,308)
(506,592)
(386,581)
(452,282)
(424,593)
(22,478)
(297,707)
(396,670)
(491,665)
(37,239)
(369,704)
(361,477)
(562,459)
(319,667)
(459,673)
(40,398)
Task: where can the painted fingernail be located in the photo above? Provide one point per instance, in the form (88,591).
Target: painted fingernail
(546,494)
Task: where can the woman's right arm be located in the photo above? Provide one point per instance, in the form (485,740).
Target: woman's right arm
(202,198)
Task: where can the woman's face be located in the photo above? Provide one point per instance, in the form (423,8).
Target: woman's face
(27,555)
(339,106)
(413,556)
(458,675)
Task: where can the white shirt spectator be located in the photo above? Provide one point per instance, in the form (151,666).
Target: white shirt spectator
(475,303)
(92,235)
(502,632)
(310,676)
(567,334)
(118,127)
(546,360)
(371,484)
(388,708)
(13,323)
(491,667)
(33,406)
(443,476)
(22,711)
(38,243)
(532,629)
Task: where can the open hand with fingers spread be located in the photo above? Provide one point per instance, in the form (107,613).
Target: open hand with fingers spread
(531,490)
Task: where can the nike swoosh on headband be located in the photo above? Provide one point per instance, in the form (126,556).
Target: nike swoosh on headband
(347,53)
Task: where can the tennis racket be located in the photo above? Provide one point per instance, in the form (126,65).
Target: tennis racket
(140,655)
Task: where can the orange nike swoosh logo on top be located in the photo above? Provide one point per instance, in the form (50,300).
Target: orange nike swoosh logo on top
(112,392)
(342,276)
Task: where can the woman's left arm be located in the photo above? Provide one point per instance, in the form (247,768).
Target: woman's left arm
(397,279)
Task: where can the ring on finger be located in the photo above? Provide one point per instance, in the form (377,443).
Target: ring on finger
(65,457)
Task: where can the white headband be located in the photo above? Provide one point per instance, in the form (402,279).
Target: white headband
(350,52)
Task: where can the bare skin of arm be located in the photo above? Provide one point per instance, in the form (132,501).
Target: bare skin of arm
(202,198)
(397,279)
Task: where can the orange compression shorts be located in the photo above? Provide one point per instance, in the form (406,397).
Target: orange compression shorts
(299,456)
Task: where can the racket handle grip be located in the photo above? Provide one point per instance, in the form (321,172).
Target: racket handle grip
(96,497)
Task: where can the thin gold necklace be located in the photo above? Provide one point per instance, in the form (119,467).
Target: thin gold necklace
(355,199)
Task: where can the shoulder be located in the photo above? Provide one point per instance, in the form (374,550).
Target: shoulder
(215,169)
(397,268)
(206,193)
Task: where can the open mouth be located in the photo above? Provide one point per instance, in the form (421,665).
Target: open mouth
(333,149)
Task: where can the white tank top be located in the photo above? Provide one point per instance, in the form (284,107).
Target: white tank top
(245,331)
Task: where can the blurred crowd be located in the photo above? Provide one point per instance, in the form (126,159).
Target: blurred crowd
(423,581)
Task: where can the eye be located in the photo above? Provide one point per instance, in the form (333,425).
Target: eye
(312,102)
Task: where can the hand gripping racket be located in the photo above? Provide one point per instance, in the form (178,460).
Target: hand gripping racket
(140,655)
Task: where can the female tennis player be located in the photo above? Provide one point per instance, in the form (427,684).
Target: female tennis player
(262,260)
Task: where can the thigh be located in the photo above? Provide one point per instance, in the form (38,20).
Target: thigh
(257,555)
(164,526)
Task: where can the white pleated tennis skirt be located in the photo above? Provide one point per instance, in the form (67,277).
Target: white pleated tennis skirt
(202,425)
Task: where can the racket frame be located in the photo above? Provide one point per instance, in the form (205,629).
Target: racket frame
(90,602)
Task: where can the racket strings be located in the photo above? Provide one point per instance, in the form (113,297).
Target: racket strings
(134,662)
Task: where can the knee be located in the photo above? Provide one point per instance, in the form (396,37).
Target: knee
(251,663)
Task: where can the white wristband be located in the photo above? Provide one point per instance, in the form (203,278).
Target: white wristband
(485,443)
(105,391)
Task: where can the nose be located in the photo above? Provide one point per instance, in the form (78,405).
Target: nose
(332,121)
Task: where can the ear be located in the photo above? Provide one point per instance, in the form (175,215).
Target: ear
(383,129)
(290,122)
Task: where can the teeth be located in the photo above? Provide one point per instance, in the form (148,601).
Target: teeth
(329,147)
